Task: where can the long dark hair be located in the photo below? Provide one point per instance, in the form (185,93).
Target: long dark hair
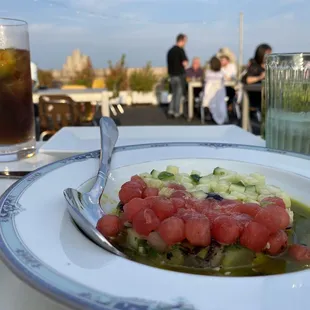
(260,53)
(215,64)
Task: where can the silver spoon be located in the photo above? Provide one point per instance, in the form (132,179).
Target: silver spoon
(85,208)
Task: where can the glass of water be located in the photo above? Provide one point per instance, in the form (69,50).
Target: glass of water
(287,99)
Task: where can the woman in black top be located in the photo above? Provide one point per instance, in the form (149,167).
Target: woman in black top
(256,73)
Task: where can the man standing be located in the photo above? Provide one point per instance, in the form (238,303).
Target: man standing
(177,62)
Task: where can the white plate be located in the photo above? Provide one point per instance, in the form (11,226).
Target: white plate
(72,140)
(42,246)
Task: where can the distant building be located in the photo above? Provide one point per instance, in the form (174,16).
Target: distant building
(76,62)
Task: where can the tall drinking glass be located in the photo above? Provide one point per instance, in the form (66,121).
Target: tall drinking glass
(17,132)
(287,90)
(263,109)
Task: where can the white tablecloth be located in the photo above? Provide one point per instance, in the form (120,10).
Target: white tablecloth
(14,294)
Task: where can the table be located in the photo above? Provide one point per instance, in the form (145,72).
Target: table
(246,122)
(99,95)
(191,86)
(16,295)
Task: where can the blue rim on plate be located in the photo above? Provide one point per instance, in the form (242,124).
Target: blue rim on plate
(35,273)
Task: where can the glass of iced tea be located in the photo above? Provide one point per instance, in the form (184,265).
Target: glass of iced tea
(17,132)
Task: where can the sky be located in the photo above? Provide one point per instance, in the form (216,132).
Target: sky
(145,29)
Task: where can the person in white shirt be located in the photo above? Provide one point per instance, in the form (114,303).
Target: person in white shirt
(214,92)
(229,69)
(34,76)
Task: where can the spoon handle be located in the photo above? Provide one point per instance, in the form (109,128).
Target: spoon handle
(108,138)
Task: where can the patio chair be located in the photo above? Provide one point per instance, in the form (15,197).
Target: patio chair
(55,112)
(86,113)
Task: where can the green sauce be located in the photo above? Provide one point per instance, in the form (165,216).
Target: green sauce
(223,261)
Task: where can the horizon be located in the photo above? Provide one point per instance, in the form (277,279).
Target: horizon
(144,30)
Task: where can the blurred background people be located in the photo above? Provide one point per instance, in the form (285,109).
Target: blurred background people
(177,62)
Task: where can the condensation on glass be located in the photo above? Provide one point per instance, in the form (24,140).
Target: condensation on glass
(287,95)
(17,133)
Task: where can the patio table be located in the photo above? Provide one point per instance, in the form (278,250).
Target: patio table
(16,295)
(246,123)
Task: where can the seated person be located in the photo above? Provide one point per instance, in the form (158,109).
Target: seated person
(195,72)
(215,92)
(229,69)
(255,74)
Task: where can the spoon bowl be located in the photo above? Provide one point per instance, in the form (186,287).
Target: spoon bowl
(85,208)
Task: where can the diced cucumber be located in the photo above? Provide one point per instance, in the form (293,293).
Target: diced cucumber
(251,181)
(141,250)
(166,176)
(261,178)
(260,259)
(273,189)
(196,172)
(195,178)
(172,169)
(203,187)
(199,194)
(186,180)
(238,195)
(203,253)
(263,196)
(265,191)
(153,183)
(175,257)
(220,171)
(188,186)
(250,189)
(232,178)
(145,175)
(166,192)
(216,253)
(229,196)
(205,180)
(183,178)
(155,173)
(133,239)
(213,186)
(252,196)
(237,188)
(166,183)
(221,186)
(237,256)
(262,190)
(249,200)
(179,176)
